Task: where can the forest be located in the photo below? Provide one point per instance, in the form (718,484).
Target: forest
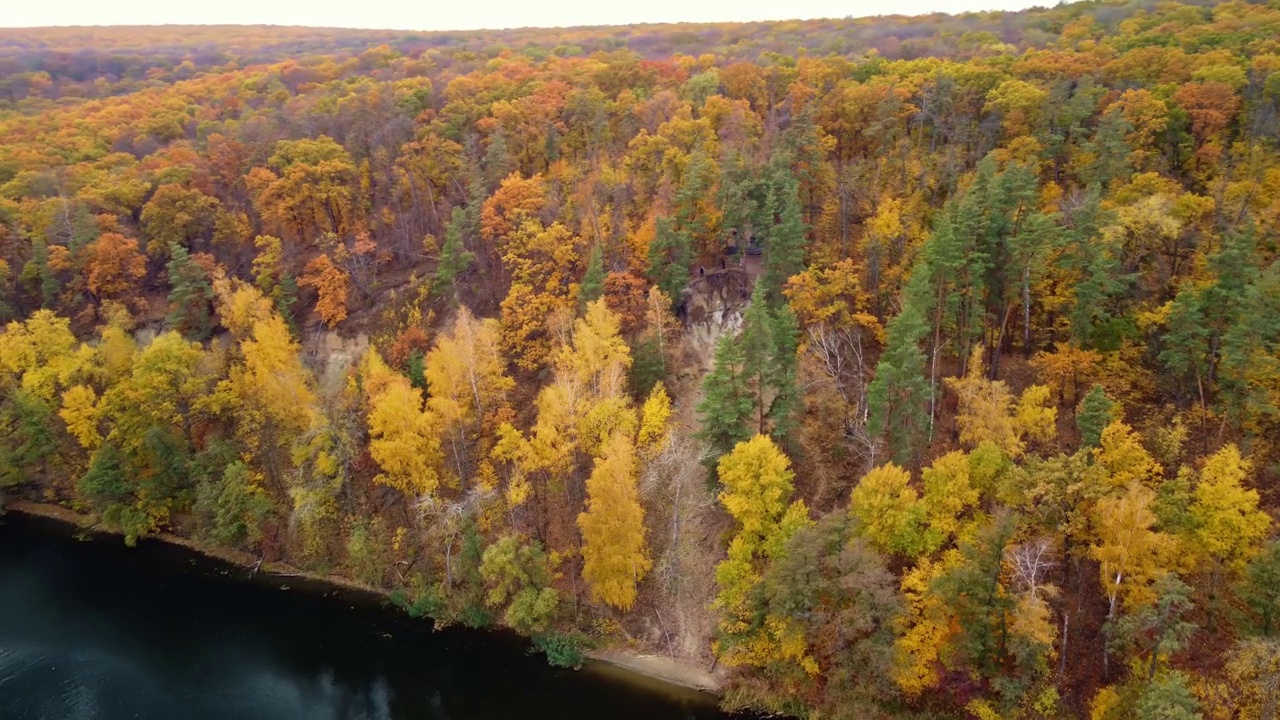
(897,367)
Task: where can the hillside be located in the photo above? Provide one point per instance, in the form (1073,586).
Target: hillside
(905,367)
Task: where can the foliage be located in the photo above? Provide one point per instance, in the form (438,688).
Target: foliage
(1005,283)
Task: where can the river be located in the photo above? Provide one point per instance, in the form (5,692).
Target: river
(92,629)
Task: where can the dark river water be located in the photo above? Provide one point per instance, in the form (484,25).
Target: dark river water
(91,629)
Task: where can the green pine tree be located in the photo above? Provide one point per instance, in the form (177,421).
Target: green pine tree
(455,258)
(6,306)
(700,176)
(726,402)
(899,393)
(1250,348)
(670,256)
(787,397)
(1110,151)
(785,245)
(496,164)
(38,277)
(593,280)
(1095,414)
(758,351)
(1260,589)
(190,296)
(1168,697)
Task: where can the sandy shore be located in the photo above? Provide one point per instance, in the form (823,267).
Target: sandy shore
(651,670)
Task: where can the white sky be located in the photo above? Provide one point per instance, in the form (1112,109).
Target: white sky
(461,14)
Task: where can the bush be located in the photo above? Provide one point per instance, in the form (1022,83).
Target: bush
(421,600)
(562,649)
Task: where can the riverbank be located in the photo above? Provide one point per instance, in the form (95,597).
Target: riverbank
(653,671)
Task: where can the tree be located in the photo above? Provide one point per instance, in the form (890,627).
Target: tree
(115,266)
(455,258)
(655,421)
(165,389)
(785,245)
(670,257)
(233,506)
(984,611)
(177,214)
(759,348)
(1168,697)
(543,262)
(330,283)
(592,286)
(900,390)
(787,397)
(614,554)
(757,481)
(1095,414)
(1229,525)
(726,404)
(403,440)
(888,512)
(1122,459)
(267,395)
(986,409)
(1250,352)
(1159,629)
(270,276)
(1131,554)
(843,600)
(1253,665)
(519,574)
(106,487)
(1260,588)
(308,189)
(467,387)
(190,296)
(81,413)
(656,345)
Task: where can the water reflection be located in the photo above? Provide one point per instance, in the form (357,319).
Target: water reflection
(94,630)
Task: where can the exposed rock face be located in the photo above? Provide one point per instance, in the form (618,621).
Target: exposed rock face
(330,355)
(712,305)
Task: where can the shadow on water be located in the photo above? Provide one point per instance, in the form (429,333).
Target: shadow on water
(91,629)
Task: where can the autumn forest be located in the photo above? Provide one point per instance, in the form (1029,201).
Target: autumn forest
(903,367)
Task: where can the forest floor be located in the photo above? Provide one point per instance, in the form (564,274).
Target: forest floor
(646,669)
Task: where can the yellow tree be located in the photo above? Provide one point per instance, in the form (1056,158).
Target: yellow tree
(614,555)
(41,354)
(1131,554)
(986,409)
(240,306)
(468,384)
(888,511)
(267,394)
(1228,525)
(948,495)
(926,627)
(1066,370)
(308,190)
(163,390)
(655,418)
(586,401)
(402,437)
(1123,459)
(543,263)
(757,480)
(81,413)
(1035,416)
